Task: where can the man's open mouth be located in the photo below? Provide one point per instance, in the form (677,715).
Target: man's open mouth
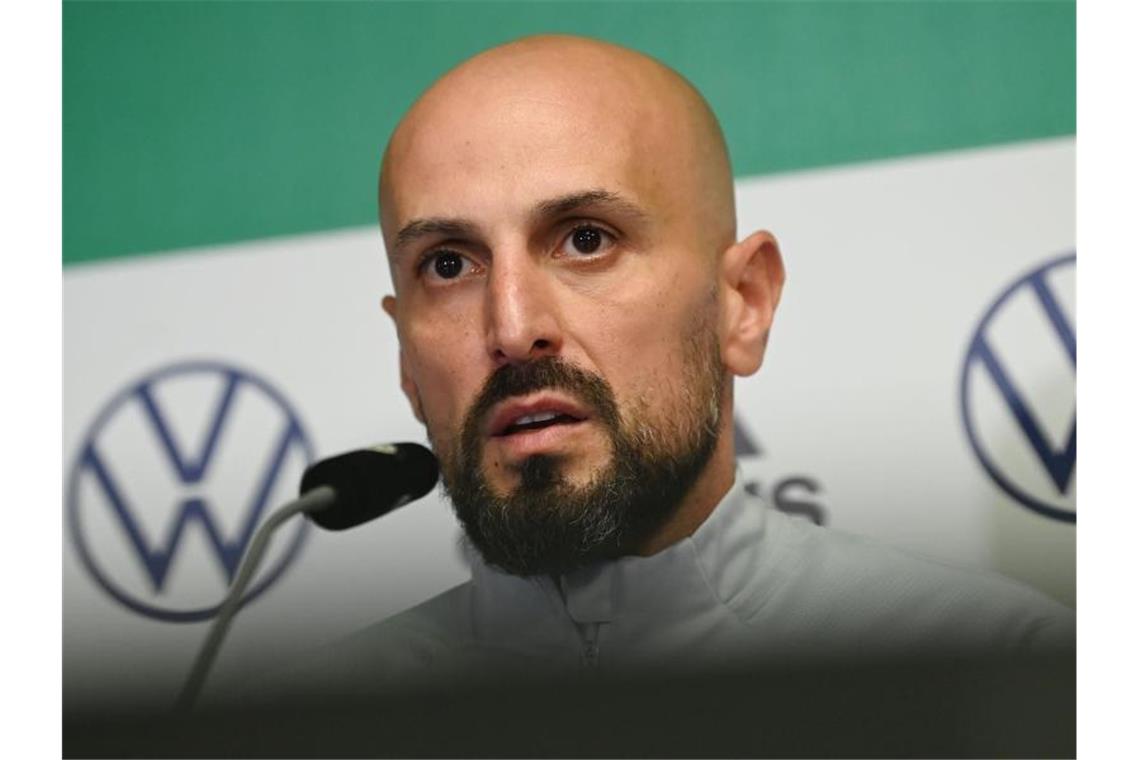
(538,421)
(524,416)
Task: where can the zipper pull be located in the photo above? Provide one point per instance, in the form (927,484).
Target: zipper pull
(590,636)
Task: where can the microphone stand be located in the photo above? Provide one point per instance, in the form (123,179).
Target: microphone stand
(315,500)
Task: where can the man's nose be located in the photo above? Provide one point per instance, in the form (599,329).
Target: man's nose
(523,323)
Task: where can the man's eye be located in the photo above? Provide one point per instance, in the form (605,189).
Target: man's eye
(445,265)
(587,240)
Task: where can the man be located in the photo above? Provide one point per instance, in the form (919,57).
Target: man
(572,303)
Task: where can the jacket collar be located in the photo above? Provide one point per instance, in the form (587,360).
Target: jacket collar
(710,573)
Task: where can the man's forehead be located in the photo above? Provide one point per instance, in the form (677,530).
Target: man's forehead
(516,157)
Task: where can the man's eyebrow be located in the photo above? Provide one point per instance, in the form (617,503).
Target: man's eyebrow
(560,206)
(566,204)
(420,228)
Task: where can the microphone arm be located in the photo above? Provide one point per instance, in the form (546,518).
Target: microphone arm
(315,500)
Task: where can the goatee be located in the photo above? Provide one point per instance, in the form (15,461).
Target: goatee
(548,525)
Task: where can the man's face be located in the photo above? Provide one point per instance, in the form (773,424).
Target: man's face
(557,312)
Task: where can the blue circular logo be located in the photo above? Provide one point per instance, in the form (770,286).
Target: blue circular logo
(1017,390)
(172,479)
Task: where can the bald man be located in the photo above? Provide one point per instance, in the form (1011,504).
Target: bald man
(573,301)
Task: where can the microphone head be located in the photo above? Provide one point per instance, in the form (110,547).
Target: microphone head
(371,482)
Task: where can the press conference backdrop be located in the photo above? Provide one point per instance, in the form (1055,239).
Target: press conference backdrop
(223,272)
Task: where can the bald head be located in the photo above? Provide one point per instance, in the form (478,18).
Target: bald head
(598,115)
(571,301)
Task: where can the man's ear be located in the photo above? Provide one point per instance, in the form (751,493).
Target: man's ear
(752,277)
(388,303)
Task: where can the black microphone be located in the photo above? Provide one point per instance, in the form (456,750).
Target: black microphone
(370,482)
(336,493)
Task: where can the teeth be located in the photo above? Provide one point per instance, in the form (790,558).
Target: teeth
(540,417)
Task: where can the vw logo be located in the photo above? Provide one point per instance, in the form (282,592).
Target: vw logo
(1018,390)
(173,478)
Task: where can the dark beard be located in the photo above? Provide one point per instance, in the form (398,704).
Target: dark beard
(549,526)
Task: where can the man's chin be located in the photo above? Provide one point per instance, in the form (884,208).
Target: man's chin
(553,514)
(542,474)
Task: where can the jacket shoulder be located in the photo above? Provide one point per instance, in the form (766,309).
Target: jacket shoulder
(402,652)
(879,595)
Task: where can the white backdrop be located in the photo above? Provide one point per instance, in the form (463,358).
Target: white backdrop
(856,417)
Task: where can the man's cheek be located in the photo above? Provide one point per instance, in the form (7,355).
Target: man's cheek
(443,417)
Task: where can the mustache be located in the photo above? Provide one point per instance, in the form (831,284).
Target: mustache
(546,373)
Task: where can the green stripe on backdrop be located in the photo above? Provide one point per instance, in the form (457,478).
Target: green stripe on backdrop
(190,124)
